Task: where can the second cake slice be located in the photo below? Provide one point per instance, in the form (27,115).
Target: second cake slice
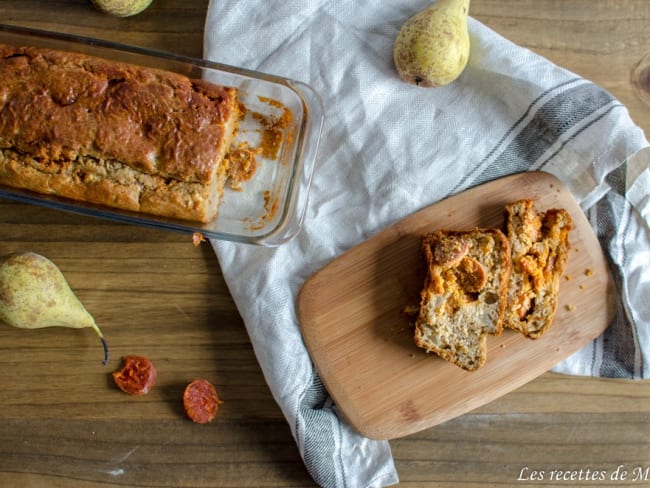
(540,249)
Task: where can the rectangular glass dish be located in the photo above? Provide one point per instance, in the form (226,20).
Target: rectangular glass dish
(266,210)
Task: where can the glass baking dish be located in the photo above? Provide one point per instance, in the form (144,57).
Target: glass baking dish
(268,209)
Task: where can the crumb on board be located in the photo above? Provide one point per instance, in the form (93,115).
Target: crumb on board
(582,287)
(568,277)
(411,309)
(589,272)
(570,308)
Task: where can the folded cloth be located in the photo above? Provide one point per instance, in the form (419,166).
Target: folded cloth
(389,149)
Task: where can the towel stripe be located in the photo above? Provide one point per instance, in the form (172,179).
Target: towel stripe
(321,448)
(553,122)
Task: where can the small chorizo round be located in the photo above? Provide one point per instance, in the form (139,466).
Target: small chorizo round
(200,401)
(137,376)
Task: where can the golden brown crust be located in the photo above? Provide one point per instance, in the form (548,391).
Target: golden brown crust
(464,295)
(540,246)
(112,133)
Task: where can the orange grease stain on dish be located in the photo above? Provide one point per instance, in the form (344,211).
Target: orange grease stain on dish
(270,205)
(242,163)
(275,131)
(242,157)
(270,209)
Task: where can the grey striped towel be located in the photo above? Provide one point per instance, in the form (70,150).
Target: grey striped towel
(389,149)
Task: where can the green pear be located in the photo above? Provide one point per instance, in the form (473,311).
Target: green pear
(35,294)
(432,47)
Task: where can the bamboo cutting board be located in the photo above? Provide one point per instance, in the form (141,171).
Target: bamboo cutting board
(353,322)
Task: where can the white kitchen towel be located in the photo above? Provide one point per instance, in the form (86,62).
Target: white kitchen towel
(389,149)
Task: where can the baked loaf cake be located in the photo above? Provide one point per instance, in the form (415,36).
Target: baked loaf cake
(464,294)
(115,134)
(539,244)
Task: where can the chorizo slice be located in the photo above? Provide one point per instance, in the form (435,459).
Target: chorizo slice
(137,376)
(200,401)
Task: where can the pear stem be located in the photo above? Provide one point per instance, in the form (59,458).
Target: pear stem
(101,338)
(105,346)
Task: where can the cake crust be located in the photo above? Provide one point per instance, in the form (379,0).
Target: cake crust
(112,133)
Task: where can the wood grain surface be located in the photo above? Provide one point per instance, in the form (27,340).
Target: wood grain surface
(352,315)
(62,424)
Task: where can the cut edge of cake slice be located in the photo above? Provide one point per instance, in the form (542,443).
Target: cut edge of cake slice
(464,295)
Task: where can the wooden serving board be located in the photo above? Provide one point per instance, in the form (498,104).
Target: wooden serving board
(361,341)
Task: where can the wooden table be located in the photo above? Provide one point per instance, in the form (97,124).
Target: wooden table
(63,423)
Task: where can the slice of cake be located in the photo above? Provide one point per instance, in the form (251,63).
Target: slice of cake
(539,243)
(464,295)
